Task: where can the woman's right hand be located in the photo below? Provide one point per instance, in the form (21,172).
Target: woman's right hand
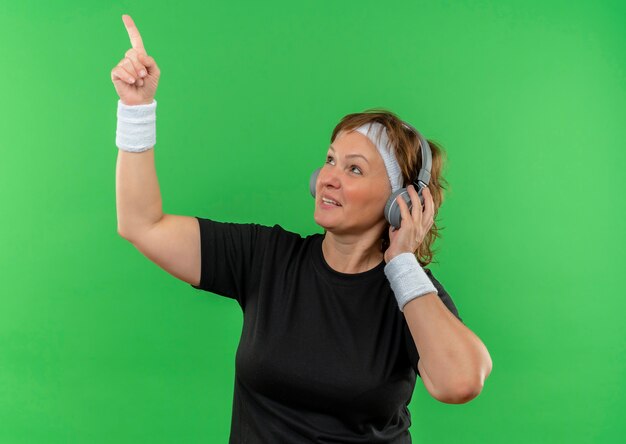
(133,86)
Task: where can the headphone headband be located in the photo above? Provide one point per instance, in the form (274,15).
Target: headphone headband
(423,176)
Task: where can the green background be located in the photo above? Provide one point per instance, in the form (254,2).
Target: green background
(100,345)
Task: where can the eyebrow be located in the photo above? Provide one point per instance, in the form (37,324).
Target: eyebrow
(352,155)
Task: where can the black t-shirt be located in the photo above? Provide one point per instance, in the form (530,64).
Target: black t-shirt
(324,356)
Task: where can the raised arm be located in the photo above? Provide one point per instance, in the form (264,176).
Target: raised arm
(172,242)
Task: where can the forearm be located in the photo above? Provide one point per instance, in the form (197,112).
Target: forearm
(138,197)
(454,358)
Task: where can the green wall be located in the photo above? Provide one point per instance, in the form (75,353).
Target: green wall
(100,345)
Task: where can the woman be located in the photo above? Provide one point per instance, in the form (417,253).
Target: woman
(332,322)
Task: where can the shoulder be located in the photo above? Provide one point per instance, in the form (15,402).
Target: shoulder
(280,240)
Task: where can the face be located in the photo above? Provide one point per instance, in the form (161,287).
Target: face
(355,177)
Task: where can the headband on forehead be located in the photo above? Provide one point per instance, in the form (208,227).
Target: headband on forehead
(377,134)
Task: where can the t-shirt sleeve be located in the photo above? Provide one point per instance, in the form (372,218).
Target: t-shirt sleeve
(447,300)
(228,252)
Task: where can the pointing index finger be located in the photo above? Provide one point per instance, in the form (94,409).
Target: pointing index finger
(133,33)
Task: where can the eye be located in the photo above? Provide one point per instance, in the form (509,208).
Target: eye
(353,168)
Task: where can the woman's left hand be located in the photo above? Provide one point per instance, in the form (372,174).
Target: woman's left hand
(414,226)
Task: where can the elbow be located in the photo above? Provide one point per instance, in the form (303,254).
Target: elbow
(122,234)
(466,386)
(466,389)
(461,394)
(127,237)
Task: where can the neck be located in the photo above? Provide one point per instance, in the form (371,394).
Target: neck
(352,253)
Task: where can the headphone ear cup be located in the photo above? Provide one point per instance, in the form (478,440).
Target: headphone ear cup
(392,207)
(313,181)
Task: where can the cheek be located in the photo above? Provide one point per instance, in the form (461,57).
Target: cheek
(370,199)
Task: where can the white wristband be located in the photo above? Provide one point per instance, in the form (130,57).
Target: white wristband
(408,279)
(136,127)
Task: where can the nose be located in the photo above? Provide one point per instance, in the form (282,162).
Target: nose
(328,177)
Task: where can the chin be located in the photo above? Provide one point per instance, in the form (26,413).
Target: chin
(323,222)
(330,222)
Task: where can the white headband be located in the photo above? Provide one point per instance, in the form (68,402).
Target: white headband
(377,133)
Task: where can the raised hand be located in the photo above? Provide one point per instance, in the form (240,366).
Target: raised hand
(136,76)
(414,225)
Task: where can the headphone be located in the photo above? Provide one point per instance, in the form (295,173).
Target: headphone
(392,208)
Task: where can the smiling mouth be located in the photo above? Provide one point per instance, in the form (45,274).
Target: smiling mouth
(329,203)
